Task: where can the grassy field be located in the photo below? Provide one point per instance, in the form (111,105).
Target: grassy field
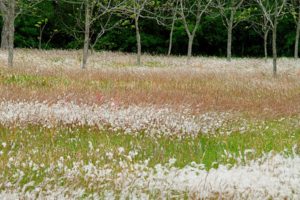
(165,130)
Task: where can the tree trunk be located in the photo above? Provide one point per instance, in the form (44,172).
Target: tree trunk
(229,36)
(40,40)
(5,31)
(296,53)
(41,36)
(190,47)
(266,45)
(274,47)
(86,35)
(138,41)
(11,30)
(171,37)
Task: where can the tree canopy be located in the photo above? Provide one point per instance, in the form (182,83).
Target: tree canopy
(60,24)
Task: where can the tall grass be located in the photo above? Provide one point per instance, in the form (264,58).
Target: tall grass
(244,85)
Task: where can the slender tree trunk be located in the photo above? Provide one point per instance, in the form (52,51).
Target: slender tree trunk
(138,41)
(296,53)
(5,31)
(243,49)
(274,47)
(40,39)
(86,35)
(11,30)
(171,36)
(266,45)
(190,47)
(229,36)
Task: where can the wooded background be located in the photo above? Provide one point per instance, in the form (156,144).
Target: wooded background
(59,21)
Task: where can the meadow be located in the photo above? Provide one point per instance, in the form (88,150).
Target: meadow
(210,129)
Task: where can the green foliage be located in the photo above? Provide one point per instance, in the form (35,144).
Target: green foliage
(63,28)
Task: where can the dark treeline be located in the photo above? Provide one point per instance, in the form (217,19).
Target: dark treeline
(116,25)
(210,38)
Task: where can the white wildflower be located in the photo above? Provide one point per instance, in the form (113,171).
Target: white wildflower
(172,161)
(109,155)
(4,144)
(91,147)
(121,150)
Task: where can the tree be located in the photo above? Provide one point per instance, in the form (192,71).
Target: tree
(88,8)
(231,17)
(45,21)
(41,25)
(294,8)
(192,11)
(261,26)
(167,15)
(174,19)
(10,10)
(7,38)
(135,9)
(272,11)
(96,12)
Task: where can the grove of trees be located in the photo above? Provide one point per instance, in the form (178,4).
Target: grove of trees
(180,27)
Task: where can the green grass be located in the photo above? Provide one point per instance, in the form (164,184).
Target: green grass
(47,145)
(33,81)
(56,142)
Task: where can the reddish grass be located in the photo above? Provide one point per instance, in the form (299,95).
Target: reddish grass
(253,92)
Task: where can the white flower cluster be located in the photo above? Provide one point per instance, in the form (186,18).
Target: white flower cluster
(271,177)
(61,59)
(132,119)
